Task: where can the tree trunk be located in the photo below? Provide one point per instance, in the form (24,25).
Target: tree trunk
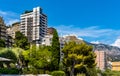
(8,65)
(1,65)
(72,69)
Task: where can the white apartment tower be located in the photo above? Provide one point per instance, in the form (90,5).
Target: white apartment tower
(34,25)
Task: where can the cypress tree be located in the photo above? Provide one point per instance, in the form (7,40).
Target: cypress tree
(55,51)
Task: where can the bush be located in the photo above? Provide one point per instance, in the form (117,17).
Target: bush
(9,71)
(80,74)
(58,73)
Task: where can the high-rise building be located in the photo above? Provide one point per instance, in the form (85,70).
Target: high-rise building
(2,29)
(34,25)
(3,33)
(101,60)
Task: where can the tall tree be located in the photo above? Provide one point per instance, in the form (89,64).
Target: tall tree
(21,40)
(2,43)
(78,58)
(55,51)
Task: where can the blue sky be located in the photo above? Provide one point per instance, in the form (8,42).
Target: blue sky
(92,20)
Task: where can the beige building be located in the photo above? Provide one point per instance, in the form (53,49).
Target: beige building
(14,28)
(116,66)
(101,60)
(47,40)
(2,29)
(3,33)
(34,25)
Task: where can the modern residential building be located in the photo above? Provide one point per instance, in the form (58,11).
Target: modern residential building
(2,29)
(34,25)
(116,66)
(3,33)
(101,59)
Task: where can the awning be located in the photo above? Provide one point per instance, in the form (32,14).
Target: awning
(4,59)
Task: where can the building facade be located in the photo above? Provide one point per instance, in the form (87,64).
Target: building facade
(50,31)
(34,25)
(116,66)
(14,28)
(101,60)
(3,34)
(2,29)
(47,40)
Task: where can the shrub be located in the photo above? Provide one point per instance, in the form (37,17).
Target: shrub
(58,73)
(9,71)
(80,74)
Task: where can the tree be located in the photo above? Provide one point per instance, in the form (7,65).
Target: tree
(78,58)
(55,51)
(8,53)
(21,40)
(38,58)
(2,43)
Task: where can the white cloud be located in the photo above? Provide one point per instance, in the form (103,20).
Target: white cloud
(9,17)
(2,13)
(11,21)
(93,31)
(94,34)
(95,42)
(117,43)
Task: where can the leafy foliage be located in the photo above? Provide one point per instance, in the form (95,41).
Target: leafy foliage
(108,72)
(58,73)
(55,51)
(9,71)
(8,53)
(21,40)
(78,57)
(2,43)
(37,57)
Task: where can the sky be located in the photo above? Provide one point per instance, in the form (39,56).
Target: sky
(96,21)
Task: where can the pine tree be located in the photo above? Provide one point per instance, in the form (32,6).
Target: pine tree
(78,58)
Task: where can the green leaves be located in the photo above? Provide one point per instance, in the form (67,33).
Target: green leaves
(8,53)
(21,40)
(55,51)
(38,57)
(2,43)
(78,56)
